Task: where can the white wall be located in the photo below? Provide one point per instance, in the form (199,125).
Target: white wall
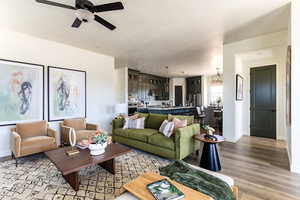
(121,83)
(100,74)
(177,82)
(277,56)
(233,116)
(294,140)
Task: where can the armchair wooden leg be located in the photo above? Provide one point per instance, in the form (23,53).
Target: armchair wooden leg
(14,157)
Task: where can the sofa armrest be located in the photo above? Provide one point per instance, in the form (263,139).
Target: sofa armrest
(52,133)
(117,123)
(64,130)
(184,142)
(91,126)
(15,144)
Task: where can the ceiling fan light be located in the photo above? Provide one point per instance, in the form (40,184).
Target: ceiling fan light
(84,15)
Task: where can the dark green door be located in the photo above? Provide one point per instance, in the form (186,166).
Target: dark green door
(263,102)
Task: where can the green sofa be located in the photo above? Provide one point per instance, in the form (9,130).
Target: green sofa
(178,146)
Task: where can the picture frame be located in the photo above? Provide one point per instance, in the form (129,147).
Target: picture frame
(66,93)
(21,92)
(239,88)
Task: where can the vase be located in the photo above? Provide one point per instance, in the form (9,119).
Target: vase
(97,149)
(210,132)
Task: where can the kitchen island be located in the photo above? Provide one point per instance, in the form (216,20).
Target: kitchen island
(168,110)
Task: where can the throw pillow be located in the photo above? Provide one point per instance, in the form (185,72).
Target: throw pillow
(190,119)
(167,128)
(134,123)
(180,123)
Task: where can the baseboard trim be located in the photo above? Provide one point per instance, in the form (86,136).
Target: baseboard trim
(295,168)
(5,153)
(5,158)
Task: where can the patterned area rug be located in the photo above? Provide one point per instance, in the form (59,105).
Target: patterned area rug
(38,179)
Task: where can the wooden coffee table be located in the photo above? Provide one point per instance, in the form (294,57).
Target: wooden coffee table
(69,166)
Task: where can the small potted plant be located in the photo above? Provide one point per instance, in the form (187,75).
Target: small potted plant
(209,130)
(98,143)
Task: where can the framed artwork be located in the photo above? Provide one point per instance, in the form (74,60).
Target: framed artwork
(288,85)
(21,92)
(239,88)
(66,93)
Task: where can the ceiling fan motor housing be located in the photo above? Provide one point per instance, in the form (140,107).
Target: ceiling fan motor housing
(84,15)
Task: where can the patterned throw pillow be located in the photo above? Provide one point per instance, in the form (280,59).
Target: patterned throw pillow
(180,123)
(167,128)
(134,123)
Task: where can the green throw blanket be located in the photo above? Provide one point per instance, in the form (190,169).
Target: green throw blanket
(205,183)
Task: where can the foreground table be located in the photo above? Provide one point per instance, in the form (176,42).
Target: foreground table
(138,188)
(69,166)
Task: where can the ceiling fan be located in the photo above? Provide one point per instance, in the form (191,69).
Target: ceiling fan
(85,11)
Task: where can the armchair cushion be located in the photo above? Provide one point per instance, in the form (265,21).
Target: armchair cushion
(32,129)
(91,126)
(84,134)
(37,144)
(77,124)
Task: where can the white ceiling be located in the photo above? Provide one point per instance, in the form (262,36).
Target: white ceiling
(186,35)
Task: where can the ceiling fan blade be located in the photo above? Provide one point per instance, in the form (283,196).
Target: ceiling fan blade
(76,23)
(104,22)
(51,3)
(108,7)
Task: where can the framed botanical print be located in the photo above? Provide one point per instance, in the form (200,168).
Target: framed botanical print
(239,88)
(66,93)
(21,92)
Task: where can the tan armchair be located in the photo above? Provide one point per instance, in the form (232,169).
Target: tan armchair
(82,129)
(31,138)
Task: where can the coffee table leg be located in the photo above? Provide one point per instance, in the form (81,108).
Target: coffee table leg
(73,180)
(109,165)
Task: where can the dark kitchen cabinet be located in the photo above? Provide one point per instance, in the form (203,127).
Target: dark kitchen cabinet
(147,87)
(194,91)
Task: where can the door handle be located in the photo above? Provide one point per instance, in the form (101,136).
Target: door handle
(273,110)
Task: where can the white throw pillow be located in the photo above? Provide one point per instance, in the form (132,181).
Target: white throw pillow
(167,128)
(134,123)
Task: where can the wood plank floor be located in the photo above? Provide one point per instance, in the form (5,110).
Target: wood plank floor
(260,168)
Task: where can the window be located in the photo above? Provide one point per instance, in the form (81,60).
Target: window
(216,94)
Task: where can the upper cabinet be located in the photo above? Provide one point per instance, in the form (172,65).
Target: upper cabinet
(147,87)
(194,91)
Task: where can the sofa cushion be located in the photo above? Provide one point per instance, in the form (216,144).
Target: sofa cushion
(162,141)
(155,120)
(32,129)
(190,119)
(121,132)
(141,135)
(77,124)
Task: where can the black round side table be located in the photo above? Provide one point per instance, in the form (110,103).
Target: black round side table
(210,158)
